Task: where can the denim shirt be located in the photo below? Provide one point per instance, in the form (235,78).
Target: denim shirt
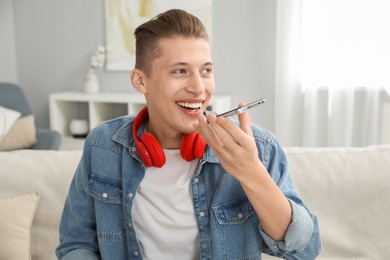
(97,220)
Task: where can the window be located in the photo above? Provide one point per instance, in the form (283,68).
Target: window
(345,43)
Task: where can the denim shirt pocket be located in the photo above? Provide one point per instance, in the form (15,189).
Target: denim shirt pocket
(233,212)
(236,233)
(105,189)
(107,193)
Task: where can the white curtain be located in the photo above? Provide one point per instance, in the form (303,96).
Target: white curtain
(322,98)
(342,117)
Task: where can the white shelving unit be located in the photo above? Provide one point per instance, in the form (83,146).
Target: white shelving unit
(100,107)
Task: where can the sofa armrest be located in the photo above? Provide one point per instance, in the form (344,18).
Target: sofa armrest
(47,139)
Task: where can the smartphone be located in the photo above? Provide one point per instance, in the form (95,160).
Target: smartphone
(242,109)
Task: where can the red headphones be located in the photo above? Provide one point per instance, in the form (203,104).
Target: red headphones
(150,151)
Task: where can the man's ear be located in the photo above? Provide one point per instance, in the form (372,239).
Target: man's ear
(137,79)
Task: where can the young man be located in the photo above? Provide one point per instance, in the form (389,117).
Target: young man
(148,187)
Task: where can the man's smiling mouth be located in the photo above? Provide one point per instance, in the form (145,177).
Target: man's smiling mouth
(191,106)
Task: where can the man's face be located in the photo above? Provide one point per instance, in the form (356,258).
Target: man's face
(179,86)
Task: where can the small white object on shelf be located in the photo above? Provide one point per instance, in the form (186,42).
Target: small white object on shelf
(91,82)
(79,128)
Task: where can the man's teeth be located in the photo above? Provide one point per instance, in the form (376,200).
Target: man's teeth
(190,105)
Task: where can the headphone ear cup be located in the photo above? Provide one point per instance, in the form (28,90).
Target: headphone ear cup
(143,154)
(153,149)
(192,146)
(199,146)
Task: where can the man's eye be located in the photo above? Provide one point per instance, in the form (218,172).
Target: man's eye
(207,71)
(179,71)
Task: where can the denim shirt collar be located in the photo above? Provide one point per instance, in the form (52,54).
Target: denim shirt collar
(124,135)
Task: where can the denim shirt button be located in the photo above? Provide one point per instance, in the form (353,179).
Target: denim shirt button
(105,195)
(130,195)
(135,253)
(196,180)
(240,215)
(204,246)
(201,213)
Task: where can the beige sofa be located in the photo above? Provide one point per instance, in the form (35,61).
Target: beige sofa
(347,188)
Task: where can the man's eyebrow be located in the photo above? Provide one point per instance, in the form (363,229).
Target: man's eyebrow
(186,64)
(178,64)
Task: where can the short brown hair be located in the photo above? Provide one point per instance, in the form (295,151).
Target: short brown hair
(174,22)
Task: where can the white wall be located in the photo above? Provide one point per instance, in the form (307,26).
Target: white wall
(244,53)
(54,40)
(8,69)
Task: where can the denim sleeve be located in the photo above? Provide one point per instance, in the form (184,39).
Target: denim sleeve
(80,254)
(78,238)
(302,239)
(299,234)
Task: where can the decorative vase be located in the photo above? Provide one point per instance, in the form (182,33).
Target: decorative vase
(91,82)
(79,128)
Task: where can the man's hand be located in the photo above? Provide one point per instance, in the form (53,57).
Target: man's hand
(233,145)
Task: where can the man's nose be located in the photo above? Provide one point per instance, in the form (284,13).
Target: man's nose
(196,84)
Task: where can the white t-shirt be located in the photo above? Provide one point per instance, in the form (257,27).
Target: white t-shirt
(163,212)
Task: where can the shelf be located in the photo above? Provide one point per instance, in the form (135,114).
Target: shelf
(95,108)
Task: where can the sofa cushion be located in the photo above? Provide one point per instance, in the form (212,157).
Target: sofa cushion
(7,119)
(48,172)
(348,189)
(21,135)
(16,217)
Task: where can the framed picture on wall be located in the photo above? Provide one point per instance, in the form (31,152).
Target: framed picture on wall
(122,17)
